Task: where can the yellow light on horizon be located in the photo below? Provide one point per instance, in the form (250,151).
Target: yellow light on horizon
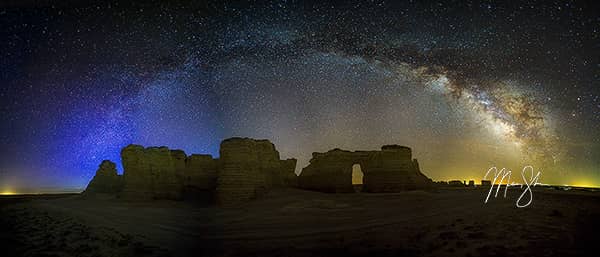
(583,185)
(8,192)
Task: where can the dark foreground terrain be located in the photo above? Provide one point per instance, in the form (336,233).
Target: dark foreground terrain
(443,222)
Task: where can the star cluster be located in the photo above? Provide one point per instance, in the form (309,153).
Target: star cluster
(466,84)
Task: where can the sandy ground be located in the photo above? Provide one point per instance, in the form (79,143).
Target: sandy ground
(290,222)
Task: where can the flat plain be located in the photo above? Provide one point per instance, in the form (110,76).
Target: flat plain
(292,222)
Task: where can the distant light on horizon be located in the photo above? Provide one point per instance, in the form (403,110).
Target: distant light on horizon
(8,192)
(37,190)
(588,185)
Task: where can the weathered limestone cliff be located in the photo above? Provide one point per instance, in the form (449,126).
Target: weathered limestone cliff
(200,175)
(390,170)
(106,180)
(247,168)
(152,172)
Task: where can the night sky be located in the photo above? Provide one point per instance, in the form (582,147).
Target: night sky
(468,85)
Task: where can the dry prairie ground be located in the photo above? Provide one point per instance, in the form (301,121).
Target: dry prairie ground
(290,222)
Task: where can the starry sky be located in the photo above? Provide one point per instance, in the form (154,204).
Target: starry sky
(466,84)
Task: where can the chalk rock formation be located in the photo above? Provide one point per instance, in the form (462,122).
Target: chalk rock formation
(106,180)
(248,168)
(393,170)
(390,170)
(153,172)
(456,183)
(160,173)
(200,175)
(331,171)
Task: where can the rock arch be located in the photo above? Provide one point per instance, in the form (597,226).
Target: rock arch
(390,170)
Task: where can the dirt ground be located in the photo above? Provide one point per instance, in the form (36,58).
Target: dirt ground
(291,222)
